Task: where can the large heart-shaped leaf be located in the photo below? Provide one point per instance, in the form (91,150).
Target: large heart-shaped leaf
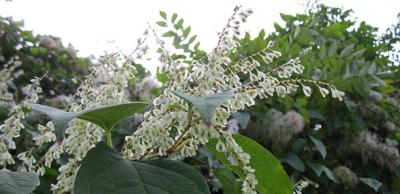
(17,182)
(104,171)
(106,117)
(271,176)
(206,105)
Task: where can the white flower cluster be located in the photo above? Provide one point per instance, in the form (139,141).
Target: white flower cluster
(12,126)
(276,127)
(7,75)
(346,176)
(299,186)
(144,88)
(172,127)
(105,86)
(370,148)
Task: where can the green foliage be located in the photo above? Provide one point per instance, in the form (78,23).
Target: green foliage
(40,55)
(228,180)
(104,171)
(270,174)
(181,37)
(335,49)
(106,117)
(17,182)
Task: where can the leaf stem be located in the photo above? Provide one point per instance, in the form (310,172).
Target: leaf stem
(108,137)
(189,124)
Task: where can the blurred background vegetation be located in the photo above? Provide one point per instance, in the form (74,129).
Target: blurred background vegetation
(339,147)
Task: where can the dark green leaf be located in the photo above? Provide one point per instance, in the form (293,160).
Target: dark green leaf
(329,174)
(106,117)
(206,105)
(317,168)
(271,176)
(294,161)
(319,145)
(17,182)
(104,171)
(228,180)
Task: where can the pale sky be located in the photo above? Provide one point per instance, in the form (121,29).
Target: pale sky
(94,26)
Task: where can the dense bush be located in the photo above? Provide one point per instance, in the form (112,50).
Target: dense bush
(205,100)
(339,147)
(357,138)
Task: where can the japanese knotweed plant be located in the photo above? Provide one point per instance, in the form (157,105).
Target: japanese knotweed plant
(192,111)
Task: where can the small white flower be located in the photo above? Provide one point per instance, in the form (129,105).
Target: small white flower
(307,90)
(323,91)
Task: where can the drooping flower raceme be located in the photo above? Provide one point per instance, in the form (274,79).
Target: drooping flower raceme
(12,126)
(106,85)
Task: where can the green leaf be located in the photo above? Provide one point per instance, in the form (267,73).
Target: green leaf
(243,118)
(162,24)
(104,171)
(298,145)
(271,176)
(17,182)
(106,117)
(206,105)
(294,161)
(373,183)
(163,14)
(173,18)
(317,168)
(169,34)
(319,145)
(178,24)
(228,180)
(186,31)
(329,174)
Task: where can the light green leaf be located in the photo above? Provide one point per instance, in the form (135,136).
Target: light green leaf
(373,183)
(206,105)
(320,146)
(271,176)
(173,18)
(104,171)
(163,14)
(186,31)
(106,117)
(17,182)
(228,180)
(243,118)
(162,24)
(178,24)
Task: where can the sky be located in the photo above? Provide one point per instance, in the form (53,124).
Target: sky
(95,26)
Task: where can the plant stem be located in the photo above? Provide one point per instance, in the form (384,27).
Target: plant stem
(189,124)
(108,137)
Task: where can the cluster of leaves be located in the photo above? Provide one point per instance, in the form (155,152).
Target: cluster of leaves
(352,56)
(40,55)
